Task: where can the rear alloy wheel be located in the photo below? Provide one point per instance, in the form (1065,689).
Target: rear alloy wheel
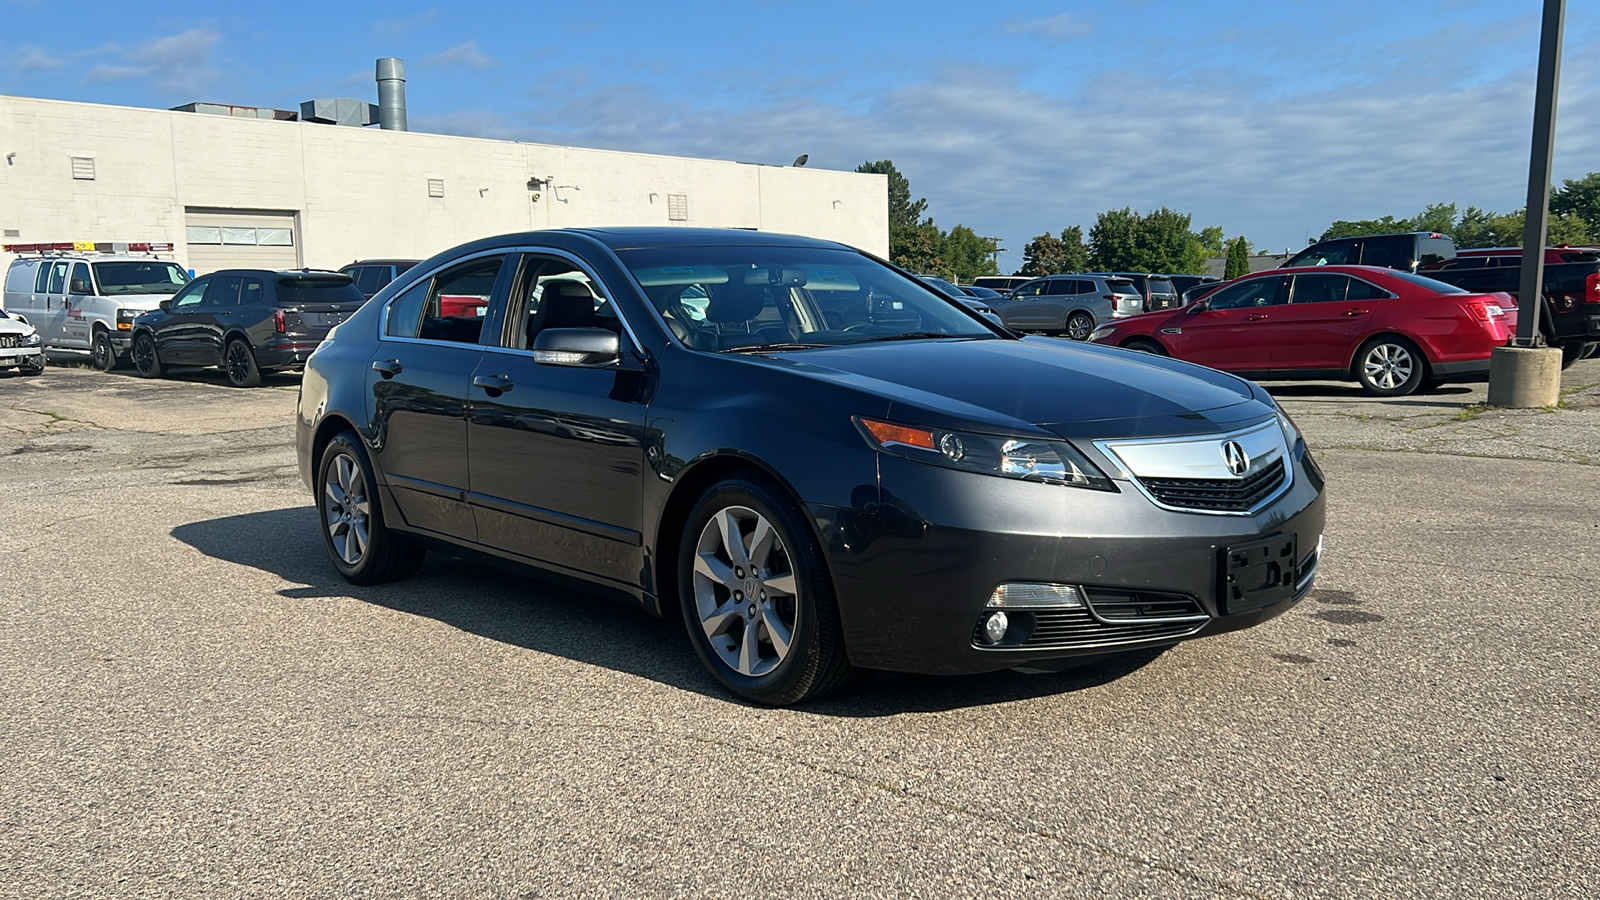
(361,547)
(145,361)
(1390,367)
(1079,326)
(756,597)
(240,364)
(102,355)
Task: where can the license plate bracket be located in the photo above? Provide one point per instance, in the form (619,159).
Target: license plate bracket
(1259,573)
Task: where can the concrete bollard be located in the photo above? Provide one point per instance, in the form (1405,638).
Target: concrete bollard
(1524,377)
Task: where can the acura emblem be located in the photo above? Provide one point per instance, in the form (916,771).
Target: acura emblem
(1238,461)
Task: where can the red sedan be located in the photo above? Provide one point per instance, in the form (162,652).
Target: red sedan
(1393,332)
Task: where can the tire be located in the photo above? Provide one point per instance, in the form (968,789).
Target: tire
(145,361)
(31,370)
(737,614)
(102,355)
(1591,351)
(239,362)
(1145,345)
(1390,366)
(350,513)
(1078,326)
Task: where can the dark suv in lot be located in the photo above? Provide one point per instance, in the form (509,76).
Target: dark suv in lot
(1405,252)
(1157,290)
(244,320)
(373,275)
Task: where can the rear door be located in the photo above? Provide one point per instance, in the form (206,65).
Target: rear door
(53,282)
(1228,331)
(210,320)
(76,324)
(417,393)
(1327,315)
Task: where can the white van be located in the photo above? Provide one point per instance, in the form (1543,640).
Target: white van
(83,300)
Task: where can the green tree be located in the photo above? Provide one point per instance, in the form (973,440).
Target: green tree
(1114,240)
(903,211)
(1044,255)
(1075,253)
(1123,240)
(1238,258)
(917,248)
(1579,198)
(1385,225)
(966,255)
(1440,217)
(1211,238)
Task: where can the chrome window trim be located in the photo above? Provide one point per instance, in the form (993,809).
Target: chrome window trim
(610,296)
(1294,285)
(1281,450)
(383,316)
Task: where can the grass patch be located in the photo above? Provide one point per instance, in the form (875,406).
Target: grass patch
(1470,412)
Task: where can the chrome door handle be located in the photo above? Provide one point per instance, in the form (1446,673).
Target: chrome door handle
(388,368)
(494,385)
(1256,317)
(1355,312)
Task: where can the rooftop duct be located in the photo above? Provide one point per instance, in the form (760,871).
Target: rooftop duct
(339,111)
(391,94)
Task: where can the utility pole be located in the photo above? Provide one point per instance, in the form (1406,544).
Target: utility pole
(1525,375)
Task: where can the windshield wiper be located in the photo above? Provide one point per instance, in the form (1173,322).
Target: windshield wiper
(762,348)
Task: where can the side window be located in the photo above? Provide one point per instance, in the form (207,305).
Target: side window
(224,291)
(1333,253)
(558,294)
(405,311)
(58,278)
(1256,292)
(1032,288)
(1389,252)
(42,282)
(1059,286)
(80,283)
(1432,250)
(1320,288)
(190,297)
(369,279)
(251,291)
(1365,290)
(19,277)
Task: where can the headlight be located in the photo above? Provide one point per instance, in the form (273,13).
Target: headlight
(1102,331)
(1291,432)
(31,340)
(1030,459)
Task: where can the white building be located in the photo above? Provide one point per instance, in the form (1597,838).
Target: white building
(253,192)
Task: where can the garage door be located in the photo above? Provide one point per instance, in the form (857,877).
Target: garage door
(241,239)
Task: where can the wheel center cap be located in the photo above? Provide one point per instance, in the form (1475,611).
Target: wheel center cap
(751,587)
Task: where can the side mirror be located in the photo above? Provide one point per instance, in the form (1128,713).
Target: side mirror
(587,348)
(1199,306)
(166,304)
(79,286)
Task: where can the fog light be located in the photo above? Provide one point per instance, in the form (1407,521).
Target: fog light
(994,627)
(1022,595)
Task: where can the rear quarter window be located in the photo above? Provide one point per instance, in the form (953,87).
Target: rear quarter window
(19,278)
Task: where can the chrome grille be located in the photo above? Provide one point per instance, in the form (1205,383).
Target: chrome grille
(9,340)
(1218,494)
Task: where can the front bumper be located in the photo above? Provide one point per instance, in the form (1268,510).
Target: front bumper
(913,576)
(32,357)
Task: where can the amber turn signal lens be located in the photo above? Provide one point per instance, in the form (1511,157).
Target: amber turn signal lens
(887,433)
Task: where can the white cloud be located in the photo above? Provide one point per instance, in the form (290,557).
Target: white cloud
(26,60)
(465,55)
(1054,30)
(178,64)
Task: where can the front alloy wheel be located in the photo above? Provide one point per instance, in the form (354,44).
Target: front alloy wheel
(756,596)
(361,546)
(145,361)
(1390,367)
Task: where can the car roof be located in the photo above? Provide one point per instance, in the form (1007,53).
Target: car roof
(283,273)
(382,262)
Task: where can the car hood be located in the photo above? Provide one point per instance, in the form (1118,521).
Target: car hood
(1067,389)
(12,326)
(144,302)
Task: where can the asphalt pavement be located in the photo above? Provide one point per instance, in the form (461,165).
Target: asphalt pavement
(193,704)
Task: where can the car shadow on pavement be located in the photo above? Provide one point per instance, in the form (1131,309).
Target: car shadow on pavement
(525,612)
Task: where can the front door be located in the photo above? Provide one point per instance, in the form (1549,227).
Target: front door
(557,451)
(212,318)
(174,332)
(53,328)
(1231,330)
(75,325)
(417,389)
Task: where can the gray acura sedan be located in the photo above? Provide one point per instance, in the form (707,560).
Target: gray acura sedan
(818,461)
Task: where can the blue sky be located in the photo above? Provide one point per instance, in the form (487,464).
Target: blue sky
(1270,119)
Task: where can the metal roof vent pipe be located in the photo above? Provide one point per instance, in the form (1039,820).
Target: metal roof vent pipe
(391,94)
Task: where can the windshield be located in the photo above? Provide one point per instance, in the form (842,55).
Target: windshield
(944,287)
(750,298)
(1438,287)
(140,277)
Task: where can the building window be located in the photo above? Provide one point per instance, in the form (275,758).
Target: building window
(435,187)
(83,168)
(678,207)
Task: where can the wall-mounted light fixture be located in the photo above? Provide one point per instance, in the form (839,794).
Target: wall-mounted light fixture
(11,158)
(564,187)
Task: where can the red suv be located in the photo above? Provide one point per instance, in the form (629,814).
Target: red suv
(1392,331)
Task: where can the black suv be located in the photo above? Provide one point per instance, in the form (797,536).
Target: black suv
(244,320)
(373,275)
(1404,252)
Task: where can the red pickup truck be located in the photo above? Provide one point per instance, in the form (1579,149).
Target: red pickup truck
(1570,315)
